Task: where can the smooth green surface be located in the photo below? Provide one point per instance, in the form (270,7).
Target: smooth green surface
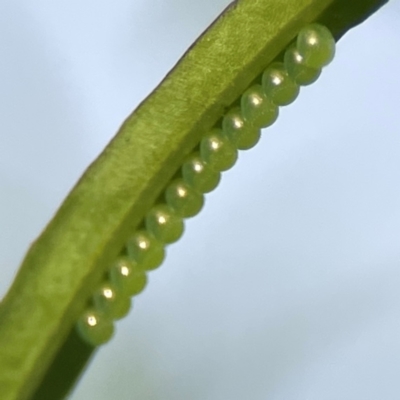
(199,175)
(94,327)
(218,151)
(145,250)
(243,134)
(185,201)
(278,85)
(297,69)
(257,108)
(164,224)
(64,266)
(114,304)
(317,45)
(127,276)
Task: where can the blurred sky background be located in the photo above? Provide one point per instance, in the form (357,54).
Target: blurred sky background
(286,286)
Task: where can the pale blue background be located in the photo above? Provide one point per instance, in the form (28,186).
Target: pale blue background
(286,287)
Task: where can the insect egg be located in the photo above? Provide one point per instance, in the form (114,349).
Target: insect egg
(95,328)
(278,85)
(258,108)
(295,65)
(110,301)
(126,275)
(199,175)
(184,200)
(239,131)
(145,250)
(317,45)
(218,151)
(164,224)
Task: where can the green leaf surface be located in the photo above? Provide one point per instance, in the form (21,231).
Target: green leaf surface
(63,267)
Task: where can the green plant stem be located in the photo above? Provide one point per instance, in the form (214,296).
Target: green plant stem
(63,266)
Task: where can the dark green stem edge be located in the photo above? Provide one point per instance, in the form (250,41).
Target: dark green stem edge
(63,266)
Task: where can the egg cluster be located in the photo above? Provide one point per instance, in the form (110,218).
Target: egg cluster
(241,127)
